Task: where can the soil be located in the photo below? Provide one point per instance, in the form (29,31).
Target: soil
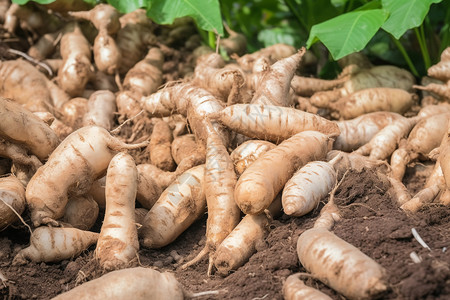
(371,221)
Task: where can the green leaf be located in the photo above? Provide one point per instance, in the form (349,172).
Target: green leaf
(370,5)
(277,35)
(127,6)
(405,14)
(205,12)
(349,32)
(22,2)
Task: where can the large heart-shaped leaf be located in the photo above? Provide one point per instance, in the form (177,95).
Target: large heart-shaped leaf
(349,32)
(405,14)
(205,12)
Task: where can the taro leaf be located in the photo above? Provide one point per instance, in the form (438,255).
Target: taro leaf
(405,14)
(349,32)
(127,6)
(205,12)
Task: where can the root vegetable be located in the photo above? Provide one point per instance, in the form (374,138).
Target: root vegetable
(340,265)
(23,83)
(188,100)
(32,19)
(70,170)
(247,153)
(240,244)
(138,16)
(133,39)
(103,16)
(65,6)
(128,104)
(12,200)
(45,46)
(276,81)
(11,20)
(273,53)
(107,55)
(375,77)
(307,187)
(134,283)
(77,68)
(177,208)
(118,244)
(443,159)
(139,215)
(103,81)
(212,75)
(160,146)
(18,155)
(359,131)
(442,90)
(152,181)
(260,183)
(424,196)
(235,43)
(61,129)
(73,112)
(440,70)
(385,141)
(81,212)
(272,123)
(431,110)
(295,289)
(182,147)
(223,213)
(426,135)
(52,244)
(101,107)
(398,191)
(22,126)
(97,192)
(146,76)
(371,100)
(53,63)
(306,87)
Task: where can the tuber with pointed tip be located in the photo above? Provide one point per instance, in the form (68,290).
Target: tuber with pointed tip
(70,170)
(261,182)
(117,245)
(54,244)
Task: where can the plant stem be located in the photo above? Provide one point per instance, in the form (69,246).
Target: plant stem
(212,39)
(420,34)
(445,32)
(405,55)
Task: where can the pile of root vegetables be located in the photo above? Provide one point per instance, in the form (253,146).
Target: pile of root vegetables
(107,114)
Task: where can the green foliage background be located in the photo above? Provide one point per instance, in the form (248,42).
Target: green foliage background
(407,33)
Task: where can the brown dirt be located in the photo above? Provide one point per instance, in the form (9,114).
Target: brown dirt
(371,222)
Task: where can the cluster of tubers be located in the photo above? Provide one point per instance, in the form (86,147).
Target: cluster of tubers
(243,140)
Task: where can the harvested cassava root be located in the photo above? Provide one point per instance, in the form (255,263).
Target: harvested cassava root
(51,244)
(256,188)
(12,200)
(134,283)
(295,289)
(71,169)
(118,244)
(340,265)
